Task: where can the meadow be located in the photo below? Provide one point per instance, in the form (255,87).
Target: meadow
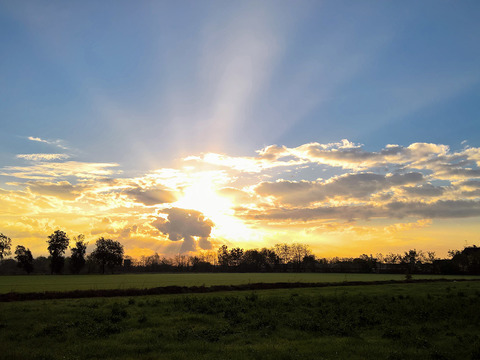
(396,321)
(41,283)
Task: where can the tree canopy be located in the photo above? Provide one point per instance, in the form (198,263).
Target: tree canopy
(108,253)
(24,258)
(57,244)
(77,257)
(5,245)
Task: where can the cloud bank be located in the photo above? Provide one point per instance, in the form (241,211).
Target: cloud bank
(312,192)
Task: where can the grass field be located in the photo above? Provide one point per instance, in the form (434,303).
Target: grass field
(41,283)
(397,321)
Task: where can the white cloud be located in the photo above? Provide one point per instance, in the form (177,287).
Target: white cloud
(58,143)
(40,157)
(58,170)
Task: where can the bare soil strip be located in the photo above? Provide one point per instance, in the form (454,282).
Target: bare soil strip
(168,290)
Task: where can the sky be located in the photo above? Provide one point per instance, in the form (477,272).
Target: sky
(179,126)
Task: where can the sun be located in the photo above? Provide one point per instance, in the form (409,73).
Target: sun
(202,196)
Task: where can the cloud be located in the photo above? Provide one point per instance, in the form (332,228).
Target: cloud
(245,164)
(358,186)
(183,224)
(42,157)
(443,209)
(439,209)
(267,197)
(408,226)
(471,183)
(238,196)
(57,143)
(55,170)
(152,196)
(278,214)
(424,190)
(61,189)
(37,139)
(349,155)
(436,158)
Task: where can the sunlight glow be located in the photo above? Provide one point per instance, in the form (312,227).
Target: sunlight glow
(202,196)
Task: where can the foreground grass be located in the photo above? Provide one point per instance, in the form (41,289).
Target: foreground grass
(41,283)
(400,321)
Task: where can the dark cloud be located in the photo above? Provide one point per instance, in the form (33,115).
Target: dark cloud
(310,214)
(152,196)
(424,190)
(471,183)
(438,209)
(62,189)
(358,186)
(347,152)
(183,224)
(473,193)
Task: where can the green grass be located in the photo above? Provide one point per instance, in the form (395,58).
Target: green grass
(41,283)
(396,321)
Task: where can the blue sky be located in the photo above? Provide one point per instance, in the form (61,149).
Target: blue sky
(126,81)
(128,90)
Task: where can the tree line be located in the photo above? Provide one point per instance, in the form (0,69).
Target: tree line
(294,257)
(107,253)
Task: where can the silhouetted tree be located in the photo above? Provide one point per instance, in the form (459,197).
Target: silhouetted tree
(108,252)
(259,260)
(57,244)
(5,245)
(467,260)
(41,265)
(223,254)
(367,263)
(431,257)
(392,258)
(24,258)
(236,255)
(284,253)
(253,260)
(77,258)
(412,259)
(308,262)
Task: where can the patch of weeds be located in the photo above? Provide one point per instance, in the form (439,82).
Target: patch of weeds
(251,297)
(264,323)
(142,319)
(184,333)
(396,356)
(55,330)
(421,342)
(100,323)
(475,354)
(435,354)
(233,316)
(209,335)
(393,334)
(93,305)
(118,313)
